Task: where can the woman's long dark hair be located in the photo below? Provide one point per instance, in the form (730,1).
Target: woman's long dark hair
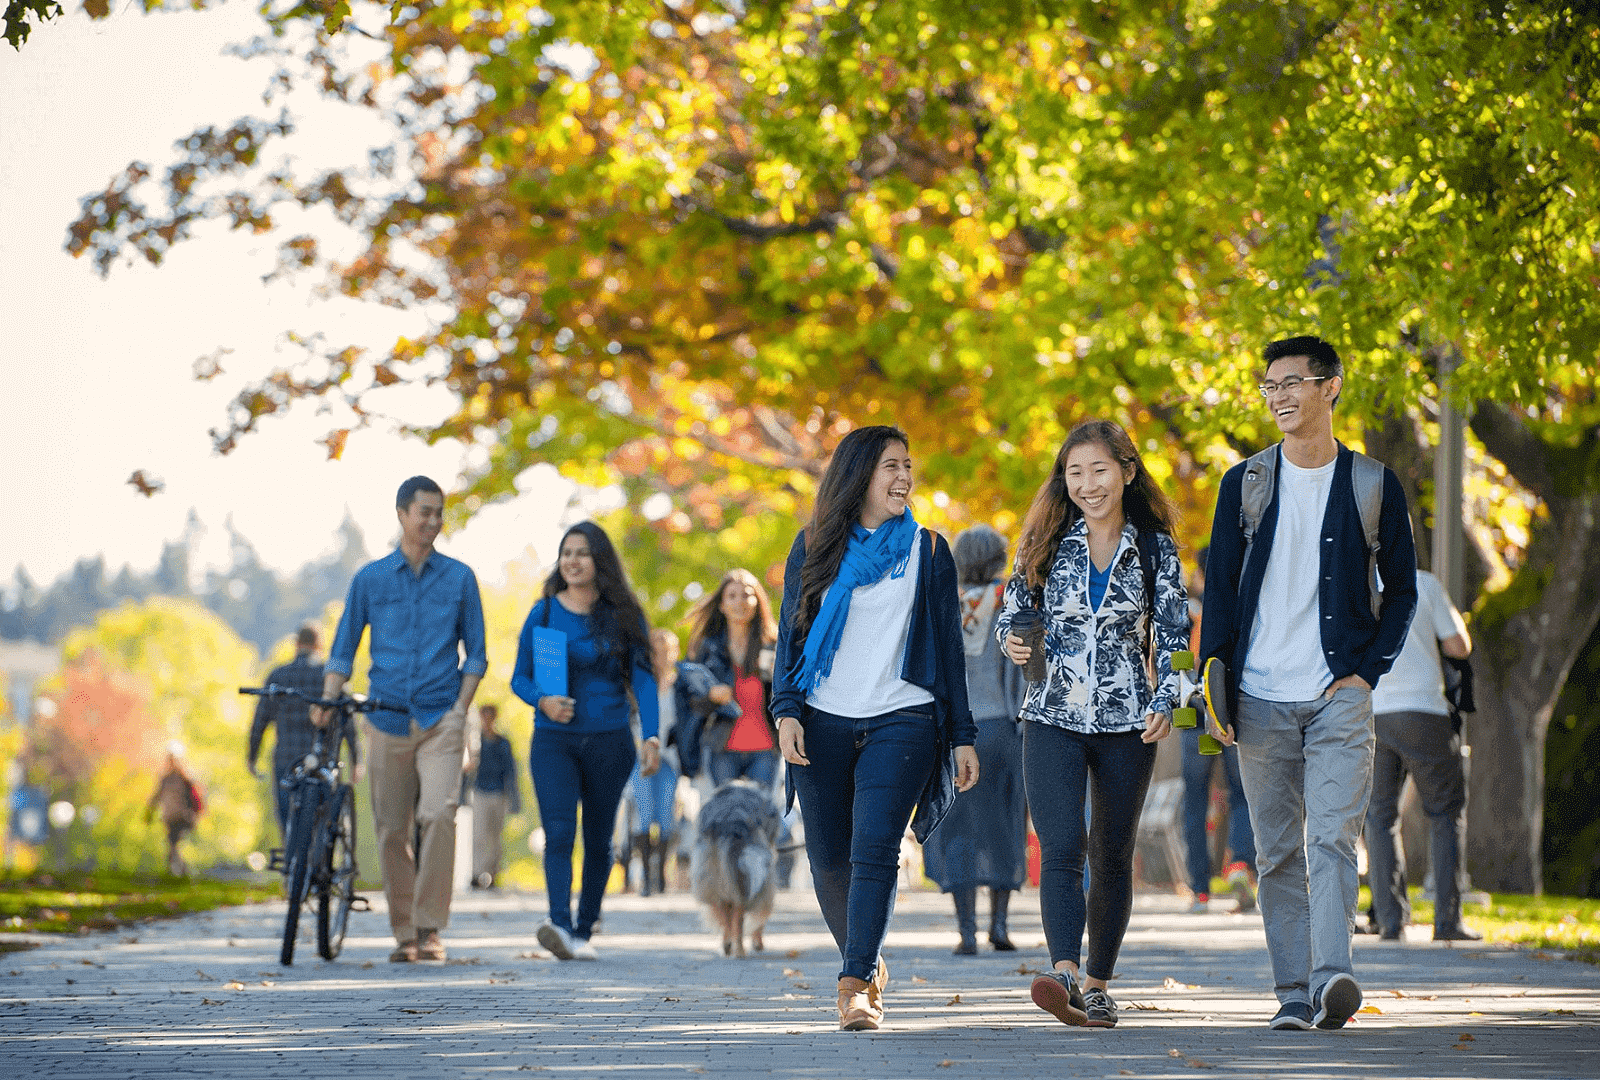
(707,622)
(618,618)
(839,499)
(1053,512)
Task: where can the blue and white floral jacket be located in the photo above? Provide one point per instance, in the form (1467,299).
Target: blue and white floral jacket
(1097,680)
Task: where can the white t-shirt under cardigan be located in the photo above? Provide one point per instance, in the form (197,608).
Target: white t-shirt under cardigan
(865,680)
(1285,661)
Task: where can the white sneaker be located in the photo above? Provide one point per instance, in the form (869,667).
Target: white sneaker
(558,941)
(582,950)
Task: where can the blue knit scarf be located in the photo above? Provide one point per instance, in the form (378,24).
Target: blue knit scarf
(867,558)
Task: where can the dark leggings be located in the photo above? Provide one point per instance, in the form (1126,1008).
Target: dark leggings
(1057,767)
(569,768)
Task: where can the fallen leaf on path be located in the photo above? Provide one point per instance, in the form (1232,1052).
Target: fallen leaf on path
(1124,1072)
(1143,1006)
(366,966)
(1552,1012)
(1024,969)
(1193,1063)
(791,973)
(802,986)
(671,999)
(235,985)
(208,1001)
(1371,1009)
(532,954)
(793,954)
(202,975)
(1169,983)
(946,1063)
(1465,1036)
(268,982)
(955,1000)
(918,979)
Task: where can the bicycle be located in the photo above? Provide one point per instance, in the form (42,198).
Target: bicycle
(318,857)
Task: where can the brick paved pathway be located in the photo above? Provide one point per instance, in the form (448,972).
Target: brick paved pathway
(203,996)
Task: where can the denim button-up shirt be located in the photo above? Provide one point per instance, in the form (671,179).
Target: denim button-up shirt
(420,625)
(1096,681)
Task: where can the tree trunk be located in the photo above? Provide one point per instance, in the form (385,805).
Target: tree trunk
(1526,639)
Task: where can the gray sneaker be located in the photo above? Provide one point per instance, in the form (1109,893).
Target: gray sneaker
(1336,1002)
(1100,1009)
(1057,993)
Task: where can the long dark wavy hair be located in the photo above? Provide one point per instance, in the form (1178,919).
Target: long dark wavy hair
(1053,512)
(707,622)
(618,617)
(839,499)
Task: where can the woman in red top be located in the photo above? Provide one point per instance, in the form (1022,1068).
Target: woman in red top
(733,632)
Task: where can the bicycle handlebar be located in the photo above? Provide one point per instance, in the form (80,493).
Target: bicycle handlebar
(354,704)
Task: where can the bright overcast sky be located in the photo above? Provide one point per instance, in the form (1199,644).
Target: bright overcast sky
(98,373)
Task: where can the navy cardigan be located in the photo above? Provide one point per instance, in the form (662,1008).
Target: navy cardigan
(934,661)
(1353,641)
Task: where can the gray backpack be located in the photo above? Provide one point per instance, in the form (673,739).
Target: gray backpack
(1366,478)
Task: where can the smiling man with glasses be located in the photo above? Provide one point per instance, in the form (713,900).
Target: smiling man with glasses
(1292,609)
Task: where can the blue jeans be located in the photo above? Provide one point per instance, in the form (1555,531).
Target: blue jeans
(758,766)
(856,797)
(1307,769)
(568,768)
(1197,771)
(1058,768)
(653,795)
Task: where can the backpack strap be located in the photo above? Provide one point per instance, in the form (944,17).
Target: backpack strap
(1255,493)
(1366,482)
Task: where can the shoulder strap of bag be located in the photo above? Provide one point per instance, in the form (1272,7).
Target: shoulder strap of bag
(1366,482)
(1255,493)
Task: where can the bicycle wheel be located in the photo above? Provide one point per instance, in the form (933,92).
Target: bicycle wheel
(297,864)
(337,887)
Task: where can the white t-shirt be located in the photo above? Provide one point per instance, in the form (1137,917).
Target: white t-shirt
(865,680)
(1416,682)
(1285,661)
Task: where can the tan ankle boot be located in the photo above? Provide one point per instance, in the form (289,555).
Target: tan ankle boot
(860,1006)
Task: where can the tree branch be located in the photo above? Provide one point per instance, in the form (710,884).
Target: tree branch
(1514,446)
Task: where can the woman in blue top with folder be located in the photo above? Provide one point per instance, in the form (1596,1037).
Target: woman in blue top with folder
(583,750)
(870,692)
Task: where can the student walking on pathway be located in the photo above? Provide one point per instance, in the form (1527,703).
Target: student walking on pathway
(428,654)
(583,752)
(494,795)
(983,840)
(1292,609)
(871,697)
(1097,559)
(1417,736)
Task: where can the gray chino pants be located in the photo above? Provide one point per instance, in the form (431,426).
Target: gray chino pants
(1307,772)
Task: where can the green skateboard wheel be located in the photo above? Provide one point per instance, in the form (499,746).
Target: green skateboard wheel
(1183,661)
(1209,744)
(1185,718)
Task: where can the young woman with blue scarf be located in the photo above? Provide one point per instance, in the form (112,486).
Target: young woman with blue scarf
(870,693)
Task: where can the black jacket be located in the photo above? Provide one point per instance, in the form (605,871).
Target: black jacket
(935,661)
(694,710)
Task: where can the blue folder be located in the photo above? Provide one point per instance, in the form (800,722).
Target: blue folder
(550,661)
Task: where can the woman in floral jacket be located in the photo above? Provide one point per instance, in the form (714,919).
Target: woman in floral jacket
(1098,531)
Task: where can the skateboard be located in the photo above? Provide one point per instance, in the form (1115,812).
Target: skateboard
(1215,687)
(1186,715)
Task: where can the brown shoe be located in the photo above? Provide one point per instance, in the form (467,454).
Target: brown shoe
(429,947)
(879,983)
(857,1009)
(404,953)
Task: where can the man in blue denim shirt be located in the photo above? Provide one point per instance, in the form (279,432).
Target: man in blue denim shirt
(1303,647)
(424,611)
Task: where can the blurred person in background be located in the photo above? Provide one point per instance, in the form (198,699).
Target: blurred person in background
(983,839)
(494,795)
(178,800)
(290,719)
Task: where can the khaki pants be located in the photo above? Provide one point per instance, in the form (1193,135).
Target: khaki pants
(488,825)
(416,785)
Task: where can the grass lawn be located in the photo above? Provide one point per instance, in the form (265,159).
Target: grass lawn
(77,902)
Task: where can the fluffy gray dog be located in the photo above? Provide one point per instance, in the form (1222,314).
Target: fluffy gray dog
(735,854)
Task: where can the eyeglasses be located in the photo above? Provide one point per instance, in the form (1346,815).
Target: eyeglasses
(1291,382)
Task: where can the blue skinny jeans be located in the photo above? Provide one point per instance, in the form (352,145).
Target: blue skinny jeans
(856,798)
(569,768)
